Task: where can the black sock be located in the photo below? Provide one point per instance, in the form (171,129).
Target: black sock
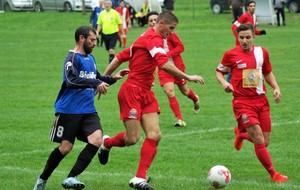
(111,57)
(53,161)
(83,160)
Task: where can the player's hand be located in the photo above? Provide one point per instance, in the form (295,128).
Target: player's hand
(123,36)
(263,32)
(102,88)
(227,87)
(277,96)
(120,74)
(196,78)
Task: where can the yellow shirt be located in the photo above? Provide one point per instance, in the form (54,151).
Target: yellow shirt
(109,21)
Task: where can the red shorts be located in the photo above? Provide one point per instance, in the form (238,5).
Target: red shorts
(165,77)
(135,101)
(253,111)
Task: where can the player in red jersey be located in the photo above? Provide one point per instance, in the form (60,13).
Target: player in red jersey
(250,66)
(125,17)
(248,17)
(174,47)
(138,104)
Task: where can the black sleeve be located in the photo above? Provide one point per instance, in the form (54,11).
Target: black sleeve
(108,79)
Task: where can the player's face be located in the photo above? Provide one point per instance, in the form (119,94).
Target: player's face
(89,43)
(152,20)
(166,29)
(246,39)
(251,8)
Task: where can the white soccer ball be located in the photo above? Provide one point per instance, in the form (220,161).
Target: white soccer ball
(219,176)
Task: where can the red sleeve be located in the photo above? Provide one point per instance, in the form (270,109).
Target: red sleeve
(124,55)
(225,65)
(175,45)
(257,32)
(238,22)
(155,48)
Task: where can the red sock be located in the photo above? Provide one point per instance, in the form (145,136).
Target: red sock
(264,157)
(192,95)
(175,107)
(148,153)
(117,140)
(245,135)
(124,42)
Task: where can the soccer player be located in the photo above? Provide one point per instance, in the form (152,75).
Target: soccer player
(138,104)
(174,47)
(125,17)
(248,17)
(94,18)
(110,22)
(75,113)
(250,67)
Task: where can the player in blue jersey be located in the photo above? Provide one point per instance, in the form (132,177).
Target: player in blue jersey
(75,113)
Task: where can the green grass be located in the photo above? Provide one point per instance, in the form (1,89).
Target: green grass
(33,47)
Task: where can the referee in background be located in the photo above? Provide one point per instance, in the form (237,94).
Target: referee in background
(110,23)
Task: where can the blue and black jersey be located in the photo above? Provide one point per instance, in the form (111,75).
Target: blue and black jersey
(80,79)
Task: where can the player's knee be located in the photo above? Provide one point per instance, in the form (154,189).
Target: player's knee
(155,135)
(169,92)
(65,148)
(132,140)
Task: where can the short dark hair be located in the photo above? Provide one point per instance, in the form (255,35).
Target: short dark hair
(168,17)
(244,27)
(83,30)
(250,3)
(150,14)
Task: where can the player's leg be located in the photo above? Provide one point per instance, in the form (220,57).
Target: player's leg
(150,125)
(91,133)
(185,90)
(131,121)
(124,38)
(168,88)
(263,154)
(64,134)
(166,81)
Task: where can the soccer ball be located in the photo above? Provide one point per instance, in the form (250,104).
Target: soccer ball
(219,176)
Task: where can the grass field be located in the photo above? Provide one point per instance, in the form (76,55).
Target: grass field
(33,47)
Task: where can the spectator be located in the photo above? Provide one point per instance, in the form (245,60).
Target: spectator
(236,8)
(169,5)
(142,20)
(115,3)
(279,8)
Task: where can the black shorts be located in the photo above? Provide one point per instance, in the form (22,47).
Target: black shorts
(71,126)
(110,40)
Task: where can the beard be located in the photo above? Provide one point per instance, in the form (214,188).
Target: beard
(87,49)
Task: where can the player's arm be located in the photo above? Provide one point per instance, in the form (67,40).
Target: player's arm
(270,79)
(174,71)
(121,57)
(221,79)
(179,47)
